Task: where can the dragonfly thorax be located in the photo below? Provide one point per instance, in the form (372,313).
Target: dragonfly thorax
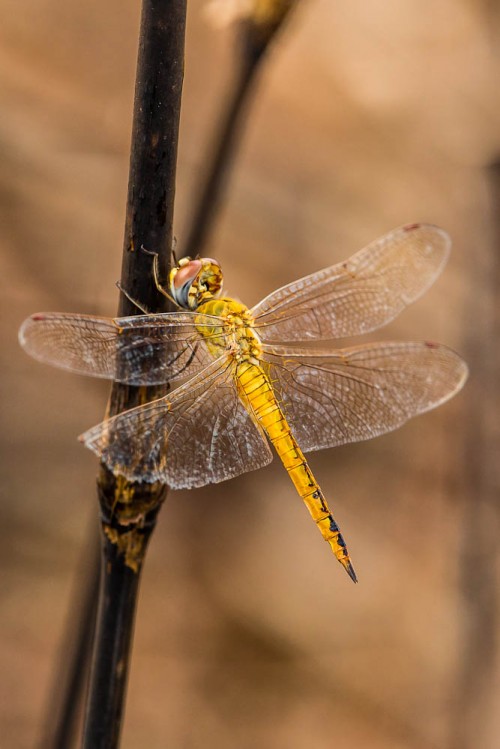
(193,282)
(236,334)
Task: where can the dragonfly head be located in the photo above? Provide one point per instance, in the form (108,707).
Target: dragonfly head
(193,282)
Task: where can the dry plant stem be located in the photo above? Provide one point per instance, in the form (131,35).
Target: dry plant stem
(63,709)
(221,154)
(129,510)
(253,43)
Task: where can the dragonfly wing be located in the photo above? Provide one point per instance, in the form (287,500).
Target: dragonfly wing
(360,294)
(357,393)
(199,434)
(140,350)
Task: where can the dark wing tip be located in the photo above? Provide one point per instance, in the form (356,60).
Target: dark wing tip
(421,226)
(29,331)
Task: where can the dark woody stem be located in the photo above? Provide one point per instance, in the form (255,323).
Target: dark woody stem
(115,621)
(129,510)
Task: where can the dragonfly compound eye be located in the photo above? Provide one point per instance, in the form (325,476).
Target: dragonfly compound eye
(195,281)
(182,278)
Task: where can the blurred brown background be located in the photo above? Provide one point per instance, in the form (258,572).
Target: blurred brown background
(369,115)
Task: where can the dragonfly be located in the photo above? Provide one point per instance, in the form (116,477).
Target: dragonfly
(248,379)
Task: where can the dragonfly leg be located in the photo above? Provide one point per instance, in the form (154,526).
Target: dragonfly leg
(156,275)
(131,299)
(194,349)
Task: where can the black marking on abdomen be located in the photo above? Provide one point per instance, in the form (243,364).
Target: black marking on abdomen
(319,495)
(335,529)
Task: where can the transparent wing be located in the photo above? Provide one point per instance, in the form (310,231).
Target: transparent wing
(140,350)
(199,434)
(360,294)
(357,393)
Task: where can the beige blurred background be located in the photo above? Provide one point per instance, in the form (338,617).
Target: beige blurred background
(369,115)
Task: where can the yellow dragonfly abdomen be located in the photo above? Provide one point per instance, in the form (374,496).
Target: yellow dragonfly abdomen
(256,390)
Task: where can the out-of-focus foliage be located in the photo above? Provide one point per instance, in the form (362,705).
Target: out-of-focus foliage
(265,13)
